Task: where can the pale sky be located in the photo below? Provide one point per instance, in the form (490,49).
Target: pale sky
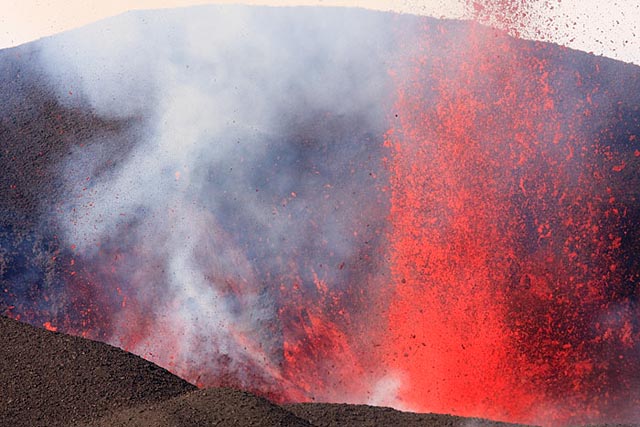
(603,27)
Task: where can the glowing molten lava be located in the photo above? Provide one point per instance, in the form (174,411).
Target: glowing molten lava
(508,217)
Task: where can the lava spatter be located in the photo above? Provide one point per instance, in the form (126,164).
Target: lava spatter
(506,236)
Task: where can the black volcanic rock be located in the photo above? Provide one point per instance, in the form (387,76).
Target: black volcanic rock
(52,379)
(211,407)
(338,415)
(37,134)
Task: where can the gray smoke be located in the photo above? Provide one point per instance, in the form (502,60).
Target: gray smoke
(262,132)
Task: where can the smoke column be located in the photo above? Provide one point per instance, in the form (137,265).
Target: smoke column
(233,227)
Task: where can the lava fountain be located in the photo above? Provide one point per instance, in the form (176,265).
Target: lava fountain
(511,210)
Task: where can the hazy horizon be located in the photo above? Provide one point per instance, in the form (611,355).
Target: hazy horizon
(590,26)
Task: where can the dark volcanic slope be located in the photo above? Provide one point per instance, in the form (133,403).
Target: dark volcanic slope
(335,415)
(213,407)
(37,134)
(51,379)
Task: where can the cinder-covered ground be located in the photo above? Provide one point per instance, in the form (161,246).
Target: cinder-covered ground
(51,379)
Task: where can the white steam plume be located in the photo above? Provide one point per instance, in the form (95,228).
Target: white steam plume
(229,96)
